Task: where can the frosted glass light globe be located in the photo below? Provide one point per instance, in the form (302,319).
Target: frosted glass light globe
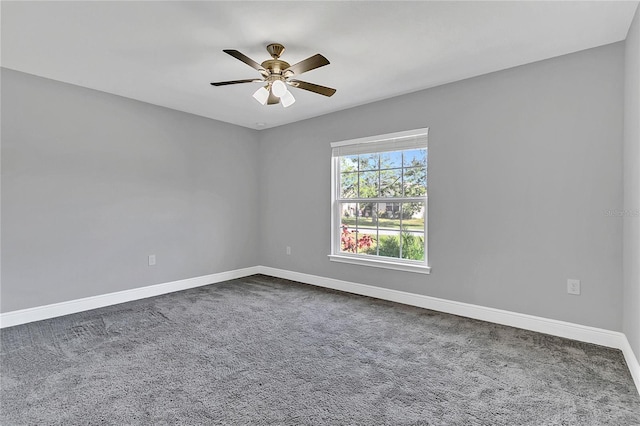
(278,88)
(287,99)
(261,95)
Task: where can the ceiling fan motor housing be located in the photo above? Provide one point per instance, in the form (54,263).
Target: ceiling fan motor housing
(275,66)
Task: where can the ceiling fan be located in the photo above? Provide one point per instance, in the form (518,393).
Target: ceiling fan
(278,74)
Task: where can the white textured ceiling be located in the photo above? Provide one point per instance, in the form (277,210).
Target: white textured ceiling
(166,53)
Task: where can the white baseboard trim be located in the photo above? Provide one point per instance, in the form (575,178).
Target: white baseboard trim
(582,333)
(38,313)
(632,362)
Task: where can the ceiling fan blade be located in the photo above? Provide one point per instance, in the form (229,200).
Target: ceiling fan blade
(247,60)
(273,99)
(316,88)
(226,83)
(311,63)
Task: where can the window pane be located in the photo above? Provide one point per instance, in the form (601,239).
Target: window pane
(389,244)
(415,157)
(368,184)
(347,227)
(415,181)
(369,161)
(349,163)
(391,160)
(389,216)
(412,240)
(347,240)
(348,215)
(412,245)
(391,183)
(367,243)
(413,216)
(349,185)
(367,216)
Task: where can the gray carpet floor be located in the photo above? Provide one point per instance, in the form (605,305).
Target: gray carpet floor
(261,350)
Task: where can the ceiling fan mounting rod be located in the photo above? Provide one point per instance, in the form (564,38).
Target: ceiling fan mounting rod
(275,50)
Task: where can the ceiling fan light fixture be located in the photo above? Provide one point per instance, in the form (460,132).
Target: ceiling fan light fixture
(287,99)
(276,75)
(261,95)
(278,88)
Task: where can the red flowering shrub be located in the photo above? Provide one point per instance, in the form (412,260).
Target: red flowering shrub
(348,241)
(365,241)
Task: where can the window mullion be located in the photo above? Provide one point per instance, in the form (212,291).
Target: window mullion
(401,204)
(377,231)
(357,207)
(400,236)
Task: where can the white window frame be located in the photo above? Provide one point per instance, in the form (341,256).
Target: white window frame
(378,143)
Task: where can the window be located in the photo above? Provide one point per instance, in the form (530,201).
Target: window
(379,201)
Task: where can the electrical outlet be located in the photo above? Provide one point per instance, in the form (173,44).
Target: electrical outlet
(573,286)
(152,259)
(288,250)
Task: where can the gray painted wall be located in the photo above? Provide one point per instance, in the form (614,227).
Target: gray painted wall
(523,165)
(93,183)
(631,221)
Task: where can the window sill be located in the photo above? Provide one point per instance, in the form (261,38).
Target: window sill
(381,264)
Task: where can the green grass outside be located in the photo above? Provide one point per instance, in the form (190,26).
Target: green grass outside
(408,224)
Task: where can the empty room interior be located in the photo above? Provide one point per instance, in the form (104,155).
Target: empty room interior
(372,212)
